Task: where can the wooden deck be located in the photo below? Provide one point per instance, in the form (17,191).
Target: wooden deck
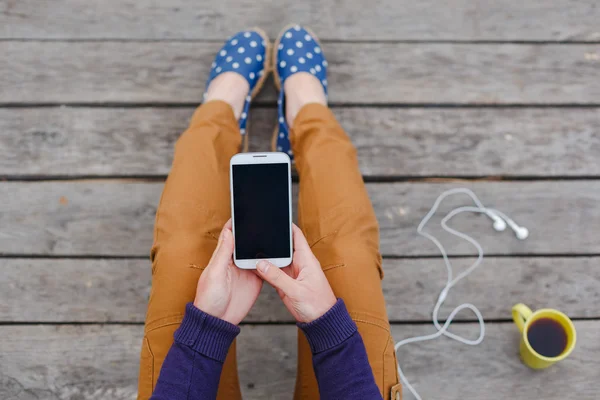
(499,96)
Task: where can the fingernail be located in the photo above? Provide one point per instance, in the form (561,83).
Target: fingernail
(262,266)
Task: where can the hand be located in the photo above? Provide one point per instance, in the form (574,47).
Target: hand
(224,290)
(302,286)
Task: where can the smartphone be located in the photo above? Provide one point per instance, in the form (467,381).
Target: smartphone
(261,208)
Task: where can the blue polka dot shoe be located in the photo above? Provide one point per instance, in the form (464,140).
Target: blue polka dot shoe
(296,50)
(245,53)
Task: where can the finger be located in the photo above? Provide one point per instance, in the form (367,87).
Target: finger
(227,226)
(300,243)
(276,277)
(224,251)
(303,255)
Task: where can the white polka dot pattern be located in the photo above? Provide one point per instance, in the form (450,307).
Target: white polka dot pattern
(243,54)
(298,51)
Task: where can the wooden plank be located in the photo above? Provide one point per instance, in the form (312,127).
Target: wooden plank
(49,290)
(69,362)
(447,369)
(99,362)
(364,73)
(390,142)
(107,217)
(386,19)
(411,287)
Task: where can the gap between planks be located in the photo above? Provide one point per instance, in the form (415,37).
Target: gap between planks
(327,41)
(267,323)
(24,256)
(135,178)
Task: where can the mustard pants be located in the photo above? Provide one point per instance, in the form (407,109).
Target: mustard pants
(334,212)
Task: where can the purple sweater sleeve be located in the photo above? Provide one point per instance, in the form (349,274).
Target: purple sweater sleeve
(339,356)
(193,365)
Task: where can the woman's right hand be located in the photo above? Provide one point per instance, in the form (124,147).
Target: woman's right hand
(302,286)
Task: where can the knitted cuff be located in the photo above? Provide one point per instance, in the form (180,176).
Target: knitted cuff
(207,335)
(329,330)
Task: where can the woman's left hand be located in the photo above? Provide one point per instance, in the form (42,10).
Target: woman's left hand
(224,290)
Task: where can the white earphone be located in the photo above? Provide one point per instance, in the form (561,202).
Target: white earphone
(500,221)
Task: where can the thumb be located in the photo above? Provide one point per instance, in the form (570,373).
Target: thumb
(276,277)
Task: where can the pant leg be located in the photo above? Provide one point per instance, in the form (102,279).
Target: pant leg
(192,210)
(339,222)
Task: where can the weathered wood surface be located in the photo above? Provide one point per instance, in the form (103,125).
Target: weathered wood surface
(385,19)
(50,290)
(55,290)
(109,217)
(60,141)
(99,362)
(450,370)
(145,54)
(69,362)
(364,73)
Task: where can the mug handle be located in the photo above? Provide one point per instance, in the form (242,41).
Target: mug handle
(520,314)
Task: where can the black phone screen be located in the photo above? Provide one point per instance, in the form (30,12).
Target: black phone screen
(261,211)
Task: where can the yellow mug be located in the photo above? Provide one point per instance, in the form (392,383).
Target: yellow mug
(525,319)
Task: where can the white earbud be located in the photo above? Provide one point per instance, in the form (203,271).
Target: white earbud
(500,221)
(499,224)
(522,233)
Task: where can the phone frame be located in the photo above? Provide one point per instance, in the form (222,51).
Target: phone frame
(261,158)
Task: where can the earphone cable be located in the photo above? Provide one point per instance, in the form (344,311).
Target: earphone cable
(442,330)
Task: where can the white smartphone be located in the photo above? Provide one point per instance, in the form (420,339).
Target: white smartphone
(261,208)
